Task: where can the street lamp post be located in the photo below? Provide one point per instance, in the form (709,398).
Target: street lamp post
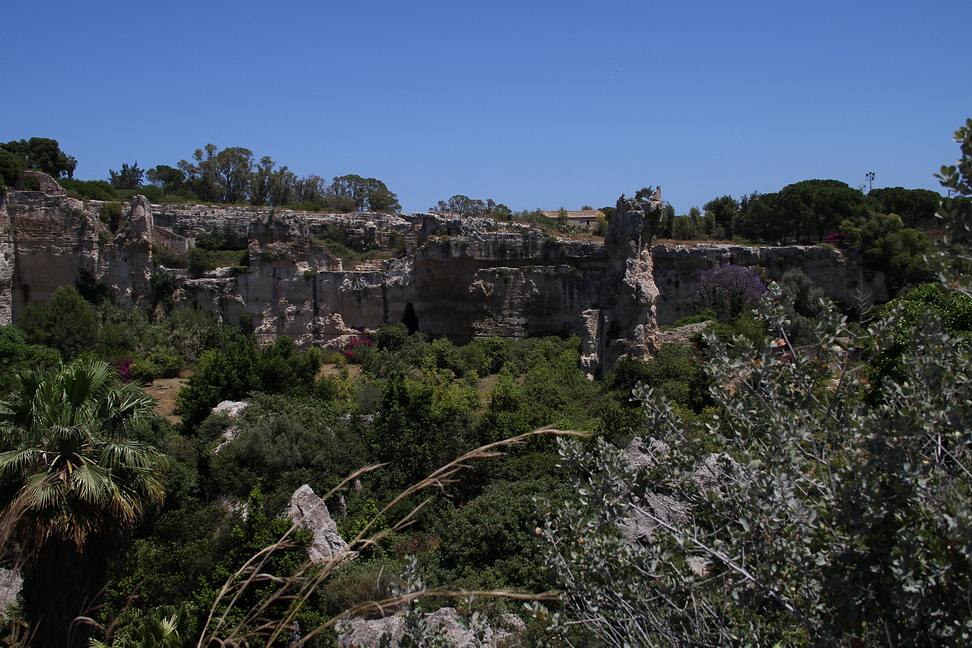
(870,178)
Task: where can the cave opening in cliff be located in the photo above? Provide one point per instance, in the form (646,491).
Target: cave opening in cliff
(410,319)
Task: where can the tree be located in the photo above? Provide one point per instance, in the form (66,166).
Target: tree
(166,178)
(916,207)
(44,155)
(759,217)
(74,483)
(221,176)
(12,167)
(311,189)
(724,211)
(234,169)
(130,177)
(367,194)
(813,208)
(67,323)
(466,207)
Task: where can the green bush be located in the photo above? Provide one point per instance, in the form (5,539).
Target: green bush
(239,367)
(490,542)
(201,260)
(284,442)
(110,214)
(163,256)
(675,372)
(831,520)
(67,323)
(90,189)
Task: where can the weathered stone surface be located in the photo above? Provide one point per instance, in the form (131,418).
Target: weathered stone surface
(232,409)
(647,512)
(46,183)
(10,583)
(628,323)
(308,511)
(368,632)
(460,278)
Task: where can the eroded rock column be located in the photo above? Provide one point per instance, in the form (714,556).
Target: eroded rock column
(625,323)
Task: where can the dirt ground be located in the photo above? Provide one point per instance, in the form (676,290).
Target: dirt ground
(164,391)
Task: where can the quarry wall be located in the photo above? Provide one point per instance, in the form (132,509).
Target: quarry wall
(458,278)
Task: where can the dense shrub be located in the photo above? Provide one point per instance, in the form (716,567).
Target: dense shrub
(90,189)
(727,291)
(675,372)
(490,543)
(67,323)
(239,367)
(284,442)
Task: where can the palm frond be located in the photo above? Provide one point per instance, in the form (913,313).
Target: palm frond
(85,380)
(91,482)
(42,491)
(15,463)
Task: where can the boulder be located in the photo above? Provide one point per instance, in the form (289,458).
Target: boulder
(232,409)
(308,511)
(368,632)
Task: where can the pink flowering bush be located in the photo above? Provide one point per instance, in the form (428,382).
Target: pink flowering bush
(357,348)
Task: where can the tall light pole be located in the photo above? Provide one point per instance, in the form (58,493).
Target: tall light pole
(870,178)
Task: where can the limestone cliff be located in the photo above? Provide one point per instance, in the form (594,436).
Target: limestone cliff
(456,277)
(624,323)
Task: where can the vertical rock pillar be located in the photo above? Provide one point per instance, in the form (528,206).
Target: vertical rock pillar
(625,324)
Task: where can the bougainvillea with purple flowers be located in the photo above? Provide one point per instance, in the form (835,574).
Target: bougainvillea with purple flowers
(727,291)
(124,367)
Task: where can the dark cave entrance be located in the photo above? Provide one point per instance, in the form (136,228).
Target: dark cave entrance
(410,319)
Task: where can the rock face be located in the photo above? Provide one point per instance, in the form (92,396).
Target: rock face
(460,278)
(10,584)
(625,321)
(368,632)
(308,511)
(676,270)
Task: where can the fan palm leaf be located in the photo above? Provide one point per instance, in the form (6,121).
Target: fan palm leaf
(66,465)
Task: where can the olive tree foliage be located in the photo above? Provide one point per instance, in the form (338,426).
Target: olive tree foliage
(804,513)
(825,519)
(956,213)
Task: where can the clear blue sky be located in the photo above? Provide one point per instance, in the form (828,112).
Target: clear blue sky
(530,103)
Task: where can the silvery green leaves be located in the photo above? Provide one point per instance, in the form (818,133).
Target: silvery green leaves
(813,511)
(956,213)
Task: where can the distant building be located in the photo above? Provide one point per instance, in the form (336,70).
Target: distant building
(583,218)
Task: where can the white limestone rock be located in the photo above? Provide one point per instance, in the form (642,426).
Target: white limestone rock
(308,511)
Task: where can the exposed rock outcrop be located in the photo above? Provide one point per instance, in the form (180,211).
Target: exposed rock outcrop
(368,632)
(676,272)
(625,321)
(460,278)
(308,511)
